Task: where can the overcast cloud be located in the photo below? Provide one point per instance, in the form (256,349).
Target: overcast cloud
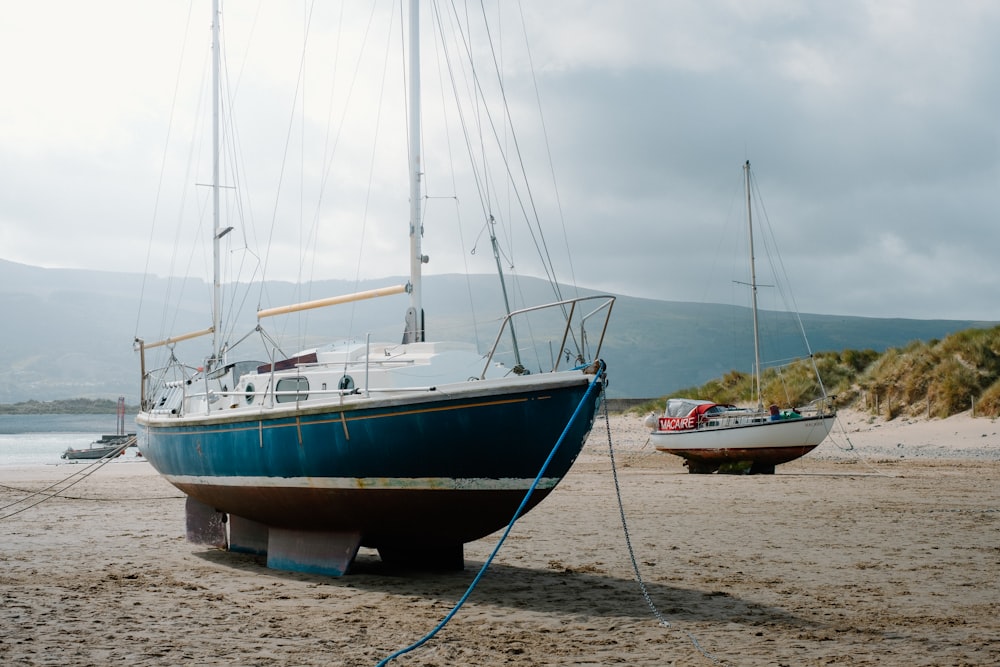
(872,128)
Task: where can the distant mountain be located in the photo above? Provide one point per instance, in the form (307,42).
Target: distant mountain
(69,333)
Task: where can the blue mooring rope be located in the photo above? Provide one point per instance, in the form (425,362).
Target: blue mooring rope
(531,489)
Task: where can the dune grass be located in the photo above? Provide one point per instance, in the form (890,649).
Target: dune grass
(936,378)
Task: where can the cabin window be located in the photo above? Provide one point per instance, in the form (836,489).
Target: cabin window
(292,389)
(346,383)
(250,393)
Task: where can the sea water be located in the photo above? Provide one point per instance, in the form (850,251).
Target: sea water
(41,439)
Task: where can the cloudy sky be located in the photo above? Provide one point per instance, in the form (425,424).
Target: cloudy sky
(872,127)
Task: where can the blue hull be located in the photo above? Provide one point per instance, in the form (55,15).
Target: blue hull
(436,471)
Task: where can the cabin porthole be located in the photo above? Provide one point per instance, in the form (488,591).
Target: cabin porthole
(290,390)
(346,383)
(249,394)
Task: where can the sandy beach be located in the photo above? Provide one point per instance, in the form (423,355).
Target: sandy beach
(881,547)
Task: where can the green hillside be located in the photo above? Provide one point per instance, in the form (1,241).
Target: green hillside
(935,378)
(69,333)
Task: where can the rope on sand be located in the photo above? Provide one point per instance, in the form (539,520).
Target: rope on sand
(628,543)
(109,499)
(80,475)
(588,395)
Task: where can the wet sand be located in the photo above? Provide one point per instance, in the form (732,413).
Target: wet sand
(881,547)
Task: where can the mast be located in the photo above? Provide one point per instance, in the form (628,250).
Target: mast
(414,331)
(753,287)
(216,231)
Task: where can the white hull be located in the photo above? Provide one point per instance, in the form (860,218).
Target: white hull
(763,442)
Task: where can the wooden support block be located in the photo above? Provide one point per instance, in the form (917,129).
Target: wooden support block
(204,524)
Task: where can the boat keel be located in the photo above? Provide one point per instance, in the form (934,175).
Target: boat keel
(314,552)
(246,536)
(327,553)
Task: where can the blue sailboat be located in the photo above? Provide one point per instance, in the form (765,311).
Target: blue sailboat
(413,448)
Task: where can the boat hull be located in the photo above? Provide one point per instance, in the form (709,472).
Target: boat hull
(107,446)
(93,453)
(768,443)
(448,466)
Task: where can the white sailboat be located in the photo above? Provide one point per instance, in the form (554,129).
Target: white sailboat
(709,435)
(412,448)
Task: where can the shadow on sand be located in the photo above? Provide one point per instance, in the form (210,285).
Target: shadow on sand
(541,590)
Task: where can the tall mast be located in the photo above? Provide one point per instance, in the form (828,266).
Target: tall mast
(414,331)
(753,286)
(216,231)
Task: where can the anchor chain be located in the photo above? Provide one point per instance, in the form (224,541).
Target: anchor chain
(628,542)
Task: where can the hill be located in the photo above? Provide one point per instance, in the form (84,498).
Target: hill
(69,333)
(69,406)
(936,378)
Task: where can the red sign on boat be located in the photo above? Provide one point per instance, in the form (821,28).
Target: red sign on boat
(677,423)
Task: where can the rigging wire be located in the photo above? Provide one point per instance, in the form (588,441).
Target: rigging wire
(243,216)
(372,162)
(764,231)
(330,148)
(854,450)
(782,279)
(450,152)
(284,163)
(544,254)
(311,238)
(524,200)
(192,252)
(534,218)
(163,170)
(179,227)
(257,265)
(480,174)
(548,149)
